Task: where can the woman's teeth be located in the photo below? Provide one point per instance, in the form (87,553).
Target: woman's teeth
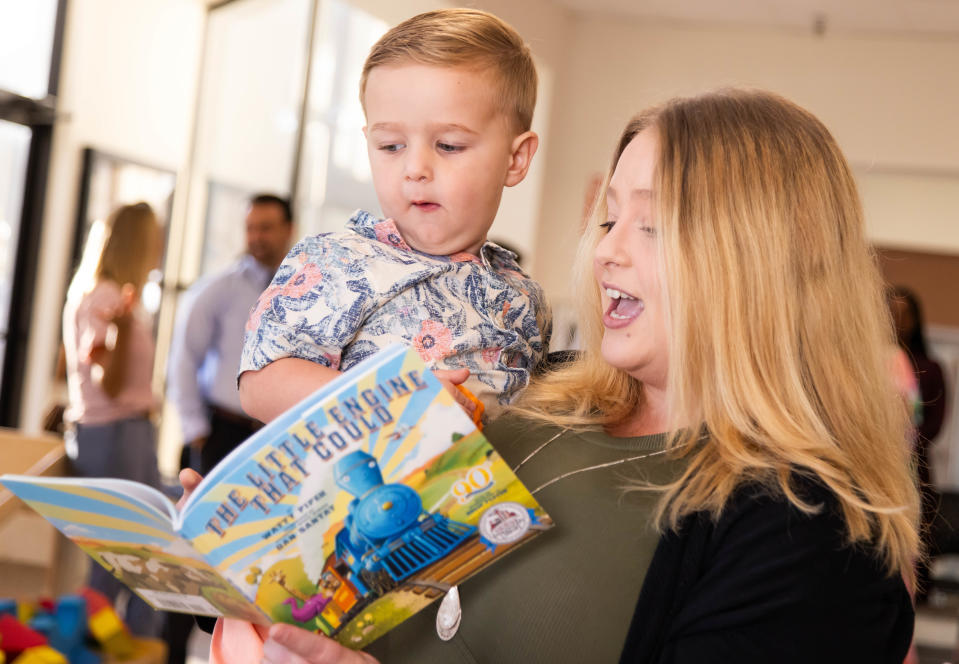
(624,305)
(614,294)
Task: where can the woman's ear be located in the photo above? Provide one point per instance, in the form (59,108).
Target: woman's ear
(521,156)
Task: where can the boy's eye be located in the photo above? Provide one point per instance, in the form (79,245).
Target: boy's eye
(391,147)
(446,147)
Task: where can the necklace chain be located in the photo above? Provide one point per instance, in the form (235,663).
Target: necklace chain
(449,615)
(579,470)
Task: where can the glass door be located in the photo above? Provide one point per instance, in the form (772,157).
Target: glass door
(14,154)
(31,34)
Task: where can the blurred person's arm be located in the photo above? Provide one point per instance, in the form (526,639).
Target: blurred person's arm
(111,359)
(193,336)
(932,390)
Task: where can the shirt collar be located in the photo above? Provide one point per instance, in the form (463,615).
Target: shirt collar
(254,270)
(385,231)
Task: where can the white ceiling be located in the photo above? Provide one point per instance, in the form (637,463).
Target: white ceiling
(905,17)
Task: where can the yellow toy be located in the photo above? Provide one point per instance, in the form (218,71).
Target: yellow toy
(110,632)
(40,655)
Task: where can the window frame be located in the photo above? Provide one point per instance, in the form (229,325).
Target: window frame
(39,115)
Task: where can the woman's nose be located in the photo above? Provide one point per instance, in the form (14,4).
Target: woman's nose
(611,249)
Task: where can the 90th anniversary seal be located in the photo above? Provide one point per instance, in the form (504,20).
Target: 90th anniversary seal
(504,523)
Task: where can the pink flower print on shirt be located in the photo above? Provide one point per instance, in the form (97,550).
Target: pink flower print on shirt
(491,355)
(334,360)
(464,257)
(298,285)
(387,233)
(434,341)
(302,281)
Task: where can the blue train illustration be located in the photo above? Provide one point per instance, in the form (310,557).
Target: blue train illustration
(387,535)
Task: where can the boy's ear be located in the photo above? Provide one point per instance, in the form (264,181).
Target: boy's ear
(521,156)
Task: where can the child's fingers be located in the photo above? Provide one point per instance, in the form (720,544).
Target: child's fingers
(454,376)
(189,480)
(463,400)
(451,378)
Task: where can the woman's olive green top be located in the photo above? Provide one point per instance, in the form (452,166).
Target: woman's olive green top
(567,595)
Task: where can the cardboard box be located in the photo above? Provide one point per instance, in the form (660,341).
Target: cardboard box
(32,552)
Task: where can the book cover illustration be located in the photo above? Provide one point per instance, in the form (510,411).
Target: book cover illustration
(346,515)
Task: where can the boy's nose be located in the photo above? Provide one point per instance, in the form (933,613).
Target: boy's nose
(417,165)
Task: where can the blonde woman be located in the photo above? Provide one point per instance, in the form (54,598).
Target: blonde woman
(725,464)
(108,343)
(737,305)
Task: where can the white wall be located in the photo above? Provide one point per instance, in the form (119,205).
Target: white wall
(129,81)
(892,104)
(127,86)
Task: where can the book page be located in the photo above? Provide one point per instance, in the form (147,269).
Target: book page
(126,527)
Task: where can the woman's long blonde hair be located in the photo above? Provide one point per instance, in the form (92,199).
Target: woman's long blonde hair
(779,338)
(119,249)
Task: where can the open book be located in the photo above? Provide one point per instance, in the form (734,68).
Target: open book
(347,514)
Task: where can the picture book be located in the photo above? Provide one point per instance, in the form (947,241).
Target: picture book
(347,514)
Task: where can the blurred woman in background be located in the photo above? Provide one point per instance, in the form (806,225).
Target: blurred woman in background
(928,414)
(931,410)
(109,348)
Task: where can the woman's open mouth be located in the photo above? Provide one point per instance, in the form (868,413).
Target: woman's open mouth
(623,307)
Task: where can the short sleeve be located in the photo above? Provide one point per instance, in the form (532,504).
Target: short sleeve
(313,308)
(94,316)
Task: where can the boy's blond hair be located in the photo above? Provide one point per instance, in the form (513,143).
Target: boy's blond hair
(779,337)
(467,38)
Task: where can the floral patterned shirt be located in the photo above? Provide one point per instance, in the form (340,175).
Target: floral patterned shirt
(340,297)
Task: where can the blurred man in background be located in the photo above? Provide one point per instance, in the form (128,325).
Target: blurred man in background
(205,354)
(208,337)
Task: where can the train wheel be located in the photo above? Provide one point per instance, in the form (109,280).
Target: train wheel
(380,581)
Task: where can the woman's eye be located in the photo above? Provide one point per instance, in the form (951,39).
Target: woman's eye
(607,226)
(649,230)
(446,147)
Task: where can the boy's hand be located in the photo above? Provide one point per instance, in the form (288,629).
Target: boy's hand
(288,644)
(189,480)
(450,378)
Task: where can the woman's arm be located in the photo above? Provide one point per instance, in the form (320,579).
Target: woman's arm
(767,583)
(112,359)
(932,390)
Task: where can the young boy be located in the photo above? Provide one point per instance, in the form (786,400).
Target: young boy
(449,98)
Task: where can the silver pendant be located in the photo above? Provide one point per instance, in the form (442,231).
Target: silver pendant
(448,617)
